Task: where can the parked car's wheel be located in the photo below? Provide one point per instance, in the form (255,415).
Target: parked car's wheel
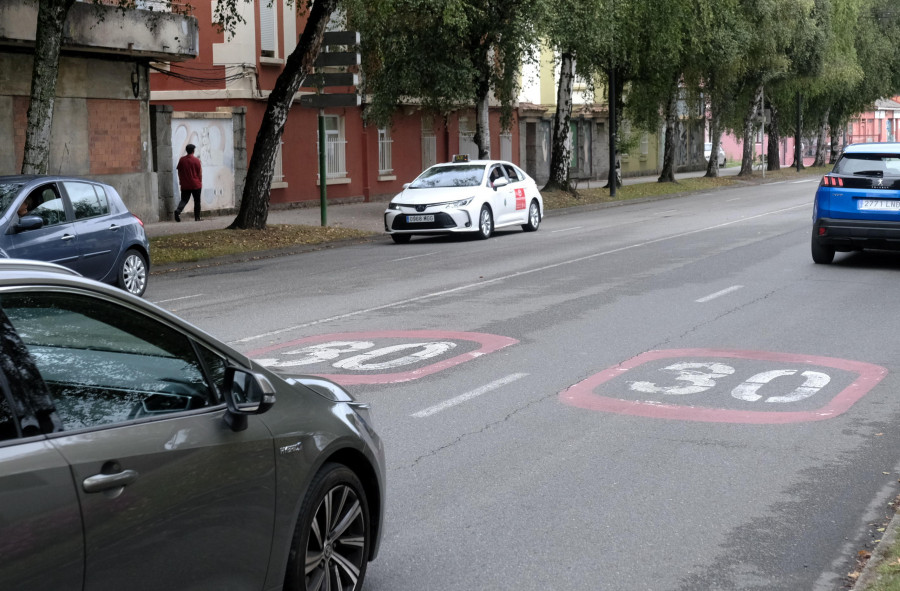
(330,548)
(534,217)
(401,238)
(133,272)
(821,255)
(485,223)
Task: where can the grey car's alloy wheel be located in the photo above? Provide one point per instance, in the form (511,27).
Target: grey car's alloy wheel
(534,218)
(821,255)
(133,273)
(485,223)
(331,543)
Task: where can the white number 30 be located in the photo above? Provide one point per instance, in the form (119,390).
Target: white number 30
(701,377)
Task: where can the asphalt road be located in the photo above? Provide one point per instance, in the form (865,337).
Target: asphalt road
(665,396)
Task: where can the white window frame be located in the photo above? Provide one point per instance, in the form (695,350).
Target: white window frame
(335,150)
(429,143)
(278,181)
(467,143)
(268,28)
(385,156)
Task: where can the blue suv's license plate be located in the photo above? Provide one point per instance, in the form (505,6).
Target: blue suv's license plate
(879,205)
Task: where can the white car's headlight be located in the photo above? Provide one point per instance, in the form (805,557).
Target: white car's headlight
(458,204)
(393,205)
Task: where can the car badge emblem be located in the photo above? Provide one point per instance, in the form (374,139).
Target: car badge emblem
(879,183)
(421,208)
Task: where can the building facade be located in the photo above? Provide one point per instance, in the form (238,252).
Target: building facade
(101,124)
(236,74)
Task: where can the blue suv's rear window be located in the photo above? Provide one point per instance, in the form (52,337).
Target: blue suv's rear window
(875,165)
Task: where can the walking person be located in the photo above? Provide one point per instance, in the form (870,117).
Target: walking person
(190,179)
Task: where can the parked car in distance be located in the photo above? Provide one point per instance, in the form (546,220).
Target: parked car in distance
(137,451)
(75,222)
(707,150)
(857,204)
(475,196)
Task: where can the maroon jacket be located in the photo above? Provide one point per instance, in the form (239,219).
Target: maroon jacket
(190,173)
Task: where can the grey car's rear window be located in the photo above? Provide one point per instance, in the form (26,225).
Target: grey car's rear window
(871,164)
(463,175)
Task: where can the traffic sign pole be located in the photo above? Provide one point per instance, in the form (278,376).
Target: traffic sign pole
(323,184)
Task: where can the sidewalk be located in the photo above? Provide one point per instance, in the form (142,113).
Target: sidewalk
(361,216)
(367,216)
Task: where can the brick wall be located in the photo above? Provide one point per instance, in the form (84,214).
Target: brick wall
(115,136)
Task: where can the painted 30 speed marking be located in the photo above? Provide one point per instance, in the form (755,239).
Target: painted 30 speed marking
(379,357)
(727,386)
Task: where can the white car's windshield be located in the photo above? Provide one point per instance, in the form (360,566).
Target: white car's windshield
(464,175)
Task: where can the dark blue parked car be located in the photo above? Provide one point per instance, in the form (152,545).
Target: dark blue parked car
(75,222)
(858,203)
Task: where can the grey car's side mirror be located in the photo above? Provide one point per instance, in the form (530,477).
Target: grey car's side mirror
(246,393)
(29,222)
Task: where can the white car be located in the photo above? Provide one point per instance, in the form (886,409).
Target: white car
(707,150)
(465,196)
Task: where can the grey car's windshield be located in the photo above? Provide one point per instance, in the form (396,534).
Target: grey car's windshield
(879,165)
(464,175)
(8,192)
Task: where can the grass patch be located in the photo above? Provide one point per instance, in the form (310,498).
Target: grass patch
(197,246)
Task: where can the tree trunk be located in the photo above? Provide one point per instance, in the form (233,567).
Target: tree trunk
(561,152)
(255,199)
(715,137)
(798,137)
(483,127)
(50,21)
(668,170)
(773,154)
(821,139)
(748,139)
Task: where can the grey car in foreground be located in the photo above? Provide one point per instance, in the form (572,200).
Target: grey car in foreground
(138,452)
(75,222)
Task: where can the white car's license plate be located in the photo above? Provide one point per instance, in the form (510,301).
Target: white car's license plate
(879,205)
(417,219)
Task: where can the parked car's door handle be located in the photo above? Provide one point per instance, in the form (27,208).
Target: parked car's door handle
(68,236)
(115,227)
(102,482)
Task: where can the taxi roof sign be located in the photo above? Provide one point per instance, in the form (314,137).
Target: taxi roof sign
(460,157)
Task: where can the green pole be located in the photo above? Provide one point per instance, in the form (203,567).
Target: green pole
(323,189)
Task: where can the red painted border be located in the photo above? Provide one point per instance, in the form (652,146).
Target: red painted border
(489,343)
(582,394)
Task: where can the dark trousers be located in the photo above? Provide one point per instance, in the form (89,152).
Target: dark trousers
(186,194)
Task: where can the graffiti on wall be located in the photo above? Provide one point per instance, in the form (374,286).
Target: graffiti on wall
(214,139)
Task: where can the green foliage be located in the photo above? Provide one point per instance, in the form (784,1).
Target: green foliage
(441,54)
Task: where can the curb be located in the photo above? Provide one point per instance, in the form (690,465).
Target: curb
(870,575)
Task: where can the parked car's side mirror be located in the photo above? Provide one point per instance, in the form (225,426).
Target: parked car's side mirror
(29,222)
(246,393)
(501,182)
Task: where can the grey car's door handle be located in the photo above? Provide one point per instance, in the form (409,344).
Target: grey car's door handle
(68,236)
(115,227)
(102,482)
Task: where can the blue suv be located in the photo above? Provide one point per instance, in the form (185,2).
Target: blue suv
(858,203)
